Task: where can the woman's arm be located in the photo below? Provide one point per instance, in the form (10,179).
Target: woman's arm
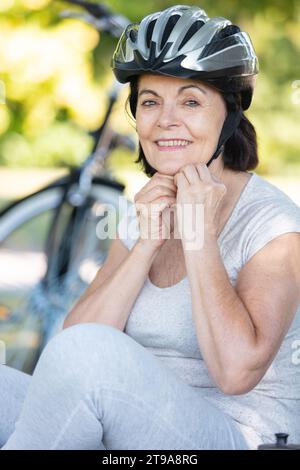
(240,329)
(110,301)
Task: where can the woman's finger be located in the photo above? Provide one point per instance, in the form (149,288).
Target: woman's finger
(181,180)
(156,192)
(166,182)
(204,172)
(191,173)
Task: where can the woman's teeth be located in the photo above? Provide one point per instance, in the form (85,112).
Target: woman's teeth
(172,143)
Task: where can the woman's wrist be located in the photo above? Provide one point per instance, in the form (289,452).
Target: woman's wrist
(146,248)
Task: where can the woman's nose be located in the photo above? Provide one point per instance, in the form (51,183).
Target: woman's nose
(167,116)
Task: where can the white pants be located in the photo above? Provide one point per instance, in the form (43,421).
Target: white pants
(94,387)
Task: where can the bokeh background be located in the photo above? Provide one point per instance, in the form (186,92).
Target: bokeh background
(54,74)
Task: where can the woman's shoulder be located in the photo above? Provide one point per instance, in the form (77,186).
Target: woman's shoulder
(262,200)
(269,212)
(259,186)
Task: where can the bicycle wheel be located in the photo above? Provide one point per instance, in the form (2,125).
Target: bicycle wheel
(27,311)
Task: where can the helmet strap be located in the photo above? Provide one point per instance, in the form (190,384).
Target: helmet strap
(231,123)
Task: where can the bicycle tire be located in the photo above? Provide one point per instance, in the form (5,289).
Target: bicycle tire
(22,270)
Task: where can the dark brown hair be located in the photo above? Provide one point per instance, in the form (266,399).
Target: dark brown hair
(239,152)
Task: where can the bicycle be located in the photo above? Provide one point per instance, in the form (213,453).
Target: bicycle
(62,252)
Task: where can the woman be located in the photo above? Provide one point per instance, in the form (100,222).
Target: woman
(185,338)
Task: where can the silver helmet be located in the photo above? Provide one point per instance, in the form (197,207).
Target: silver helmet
(182,41)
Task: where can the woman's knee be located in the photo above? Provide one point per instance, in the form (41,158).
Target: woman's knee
(87,354)
(82,343)
(87,333)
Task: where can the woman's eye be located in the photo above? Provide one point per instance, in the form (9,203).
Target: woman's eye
(150,103)
(192,103)
(146,103)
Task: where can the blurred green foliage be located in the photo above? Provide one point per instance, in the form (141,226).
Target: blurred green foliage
(55,71)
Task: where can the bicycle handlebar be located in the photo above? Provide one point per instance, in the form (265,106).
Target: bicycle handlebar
(95,9)
(99,16)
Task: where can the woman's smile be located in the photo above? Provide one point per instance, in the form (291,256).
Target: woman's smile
(172,145)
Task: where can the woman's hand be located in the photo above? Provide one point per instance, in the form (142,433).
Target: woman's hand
(158,194)
(199,194)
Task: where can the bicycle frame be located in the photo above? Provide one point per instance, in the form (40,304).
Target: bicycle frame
(78,199)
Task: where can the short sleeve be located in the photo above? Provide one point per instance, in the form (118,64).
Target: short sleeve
(270,221)
(128,228)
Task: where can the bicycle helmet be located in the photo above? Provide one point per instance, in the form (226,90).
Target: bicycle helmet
(182,41)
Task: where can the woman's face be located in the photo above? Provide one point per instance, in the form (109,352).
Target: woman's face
(186,111)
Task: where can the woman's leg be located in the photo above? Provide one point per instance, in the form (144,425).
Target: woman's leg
(13,388)
(94,387)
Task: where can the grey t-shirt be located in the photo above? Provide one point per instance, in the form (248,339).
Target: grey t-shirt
(161,318)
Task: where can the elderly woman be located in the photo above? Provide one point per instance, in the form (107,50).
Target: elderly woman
(187,337)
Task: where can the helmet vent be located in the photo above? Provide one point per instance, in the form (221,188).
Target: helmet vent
(193,29)
(168,29)
(229,30)
(150,31)
(216,46)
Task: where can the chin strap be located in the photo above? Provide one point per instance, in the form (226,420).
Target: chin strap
(231,123)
